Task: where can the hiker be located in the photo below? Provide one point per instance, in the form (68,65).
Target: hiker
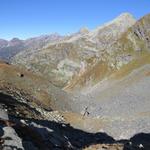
(86,112)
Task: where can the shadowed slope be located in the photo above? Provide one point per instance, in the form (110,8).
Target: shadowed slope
(31,88)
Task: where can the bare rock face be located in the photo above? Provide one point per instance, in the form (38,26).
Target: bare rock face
(141,32)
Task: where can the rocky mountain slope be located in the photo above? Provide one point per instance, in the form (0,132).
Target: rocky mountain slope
(32,88)
(86,91)
(8,49)
(61,61)
(130,48)
(26,121)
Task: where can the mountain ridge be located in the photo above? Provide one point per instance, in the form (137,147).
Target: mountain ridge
(77,48)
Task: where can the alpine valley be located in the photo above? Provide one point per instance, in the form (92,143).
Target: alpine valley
(85,91)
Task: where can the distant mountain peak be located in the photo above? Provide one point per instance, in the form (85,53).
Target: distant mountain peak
(15,39)
(126,17)
(120,23)
(84,30)
(126,14)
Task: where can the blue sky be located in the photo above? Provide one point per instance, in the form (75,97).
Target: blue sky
(28,18)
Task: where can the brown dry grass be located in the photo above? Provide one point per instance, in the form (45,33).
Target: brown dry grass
(125,70)
(147,74)
(33,86)
(83,122)
(90,76)
(105,147)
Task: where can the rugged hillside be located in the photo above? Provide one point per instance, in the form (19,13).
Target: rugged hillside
(9,49)
(104,104)
(63,60)
(131,47)
(31,88)
(26,122)
(30,134)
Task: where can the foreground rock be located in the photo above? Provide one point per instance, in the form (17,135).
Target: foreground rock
(24,133)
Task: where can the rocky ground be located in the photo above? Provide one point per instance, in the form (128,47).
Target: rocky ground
(26,123)
(32,113)
(121,105)
(20,132)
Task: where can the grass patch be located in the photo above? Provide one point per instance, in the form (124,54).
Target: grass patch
(134,64)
